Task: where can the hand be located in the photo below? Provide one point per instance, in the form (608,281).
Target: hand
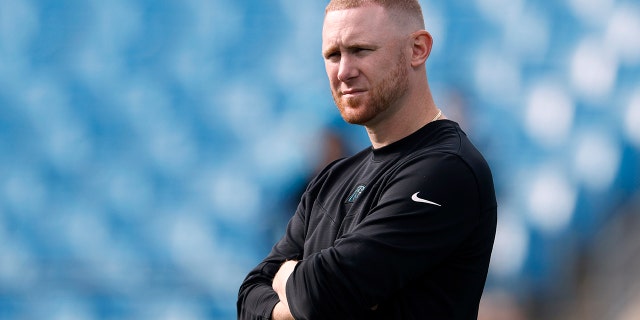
(281,312)
(280,283)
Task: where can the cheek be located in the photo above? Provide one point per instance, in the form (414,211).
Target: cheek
(332,73)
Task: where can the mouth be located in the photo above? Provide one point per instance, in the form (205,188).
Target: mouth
(352,92)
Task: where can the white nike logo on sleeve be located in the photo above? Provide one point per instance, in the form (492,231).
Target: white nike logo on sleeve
(415,198)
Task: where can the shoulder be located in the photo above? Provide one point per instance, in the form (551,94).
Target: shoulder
(448,146)
(446,159)
(339,168)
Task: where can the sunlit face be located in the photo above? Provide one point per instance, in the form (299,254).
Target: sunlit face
(367,69)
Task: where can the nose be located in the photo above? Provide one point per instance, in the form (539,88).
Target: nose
(347,69)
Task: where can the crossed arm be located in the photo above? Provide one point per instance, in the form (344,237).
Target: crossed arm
(347,280)
(281,310)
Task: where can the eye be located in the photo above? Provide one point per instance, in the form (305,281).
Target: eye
(332,56)
(361,50)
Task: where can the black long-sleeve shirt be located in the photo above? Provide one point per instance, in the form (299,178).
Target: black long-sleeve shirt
(400,232)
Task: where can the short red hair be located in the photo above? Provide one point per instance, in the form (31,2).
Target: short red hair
(408,8)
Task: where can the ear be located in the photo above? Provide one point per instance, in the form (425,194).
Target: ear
(421,47)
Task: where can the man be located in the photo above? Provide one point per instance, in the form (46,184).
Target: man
(401,230)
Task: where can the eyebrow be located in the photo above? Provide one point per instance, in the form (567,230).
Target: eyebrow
(333,48)
(328,51)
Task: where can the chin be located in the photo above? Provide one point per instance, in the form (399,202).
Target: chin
(359,117)
(355,110)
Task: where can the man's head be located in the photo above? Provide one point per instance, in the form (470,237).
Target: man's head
(409,9)
(374,54)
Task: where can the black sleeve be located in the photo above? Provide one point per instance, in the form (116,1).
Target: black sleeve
(398,242)
(256,297)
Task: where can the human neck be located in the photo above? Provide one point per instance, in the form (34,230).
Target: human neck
(405,121)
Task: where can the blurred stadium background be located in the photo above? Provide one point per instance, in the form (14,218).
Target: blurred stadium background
(150,149)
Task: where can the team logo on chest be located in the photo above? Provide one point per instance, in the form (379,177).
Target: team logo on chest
(355,194)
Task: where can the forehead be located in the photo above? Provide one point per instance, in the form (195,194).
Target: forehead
(368,23)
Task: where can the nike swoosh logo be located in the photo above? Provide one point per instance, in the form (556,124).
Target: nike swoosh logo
(415,198)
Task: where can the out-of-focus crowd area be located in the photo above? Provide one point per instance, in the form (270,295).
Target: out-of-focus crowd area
(151,150)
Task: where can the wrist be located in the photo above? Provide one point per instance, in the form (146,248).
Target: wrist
(280,280)
(281,312)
